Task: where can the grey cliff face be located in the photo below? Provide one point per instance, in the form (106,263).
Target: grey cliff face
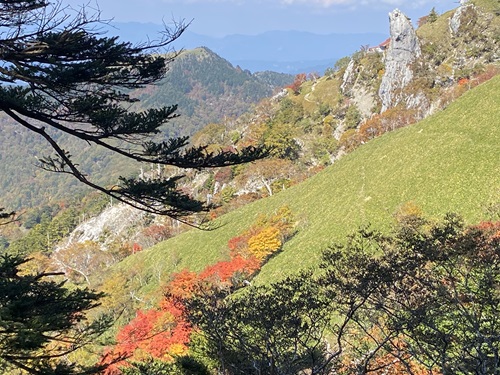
(403,50)
(456,19)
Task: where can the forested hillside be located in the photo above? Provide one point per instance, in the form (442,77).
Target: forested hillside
(206,88)
(209,89)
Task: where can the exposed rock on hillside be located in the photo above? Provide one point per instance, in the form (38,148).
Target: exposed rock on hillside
(348,78)
(117,221)
(456,19)
(403,50)
(358,81)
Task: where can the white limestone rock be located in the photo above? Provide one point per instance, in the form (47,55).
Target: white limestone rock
(404,49)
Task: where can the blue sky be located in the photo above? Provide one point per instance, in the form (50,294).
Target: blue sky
(250,17)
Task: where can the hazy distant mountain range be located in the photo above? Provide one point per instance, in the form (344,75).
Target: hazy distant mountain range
(280,51)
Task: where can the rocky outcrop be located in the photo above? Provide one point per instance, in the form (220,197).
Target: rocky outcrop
(404,49)
(348,78)
(358,90)
(456,19)
(119,221)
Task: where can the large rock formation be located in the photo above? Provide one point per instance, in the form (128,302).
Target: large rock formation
(403,50)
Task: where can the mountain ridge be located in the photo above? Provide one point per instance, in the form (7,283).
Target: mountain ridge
(290,52)
(207,89)
(381,167)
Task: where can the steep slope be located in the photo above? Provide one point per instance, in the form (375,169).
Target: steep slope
(420,66)
(446,163)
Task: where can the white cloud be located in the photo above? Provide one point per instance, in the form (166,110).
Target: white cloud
(329,3)
(324,3)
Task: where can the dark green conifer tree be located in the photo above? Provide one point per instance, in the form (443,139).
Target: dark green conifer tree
(42,321)
(60,73)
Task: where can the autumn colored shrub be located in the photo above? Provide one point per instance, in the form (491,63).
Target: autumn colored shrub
(157,333)
(490,72)
(451,94)
(230,271)
(182,284)
(152,333)
(163,333)
(389,120)
(157,232)
(238,244)
(467,82)
(264,243)
(265,236)
(297,82)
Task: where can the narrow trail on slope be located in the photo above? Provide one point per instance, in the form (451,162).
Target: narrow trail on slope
(306,96)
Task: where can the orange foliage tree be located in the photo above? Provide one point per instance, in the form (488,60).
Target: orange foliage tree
(163,333)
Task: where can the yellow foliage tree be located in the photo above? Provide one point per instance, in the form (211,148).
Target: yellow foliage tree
(264,243)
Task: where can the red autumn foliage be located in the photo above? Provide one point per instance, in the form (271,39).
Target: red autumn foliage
(224,271)
(487,236)
(158,333)
(157,232)
(163,332)
(489,228)
(298,81)
(136,248)
(238,243)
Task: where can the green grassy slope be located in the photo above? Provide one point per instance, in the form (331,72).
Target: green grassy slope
(449,162)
